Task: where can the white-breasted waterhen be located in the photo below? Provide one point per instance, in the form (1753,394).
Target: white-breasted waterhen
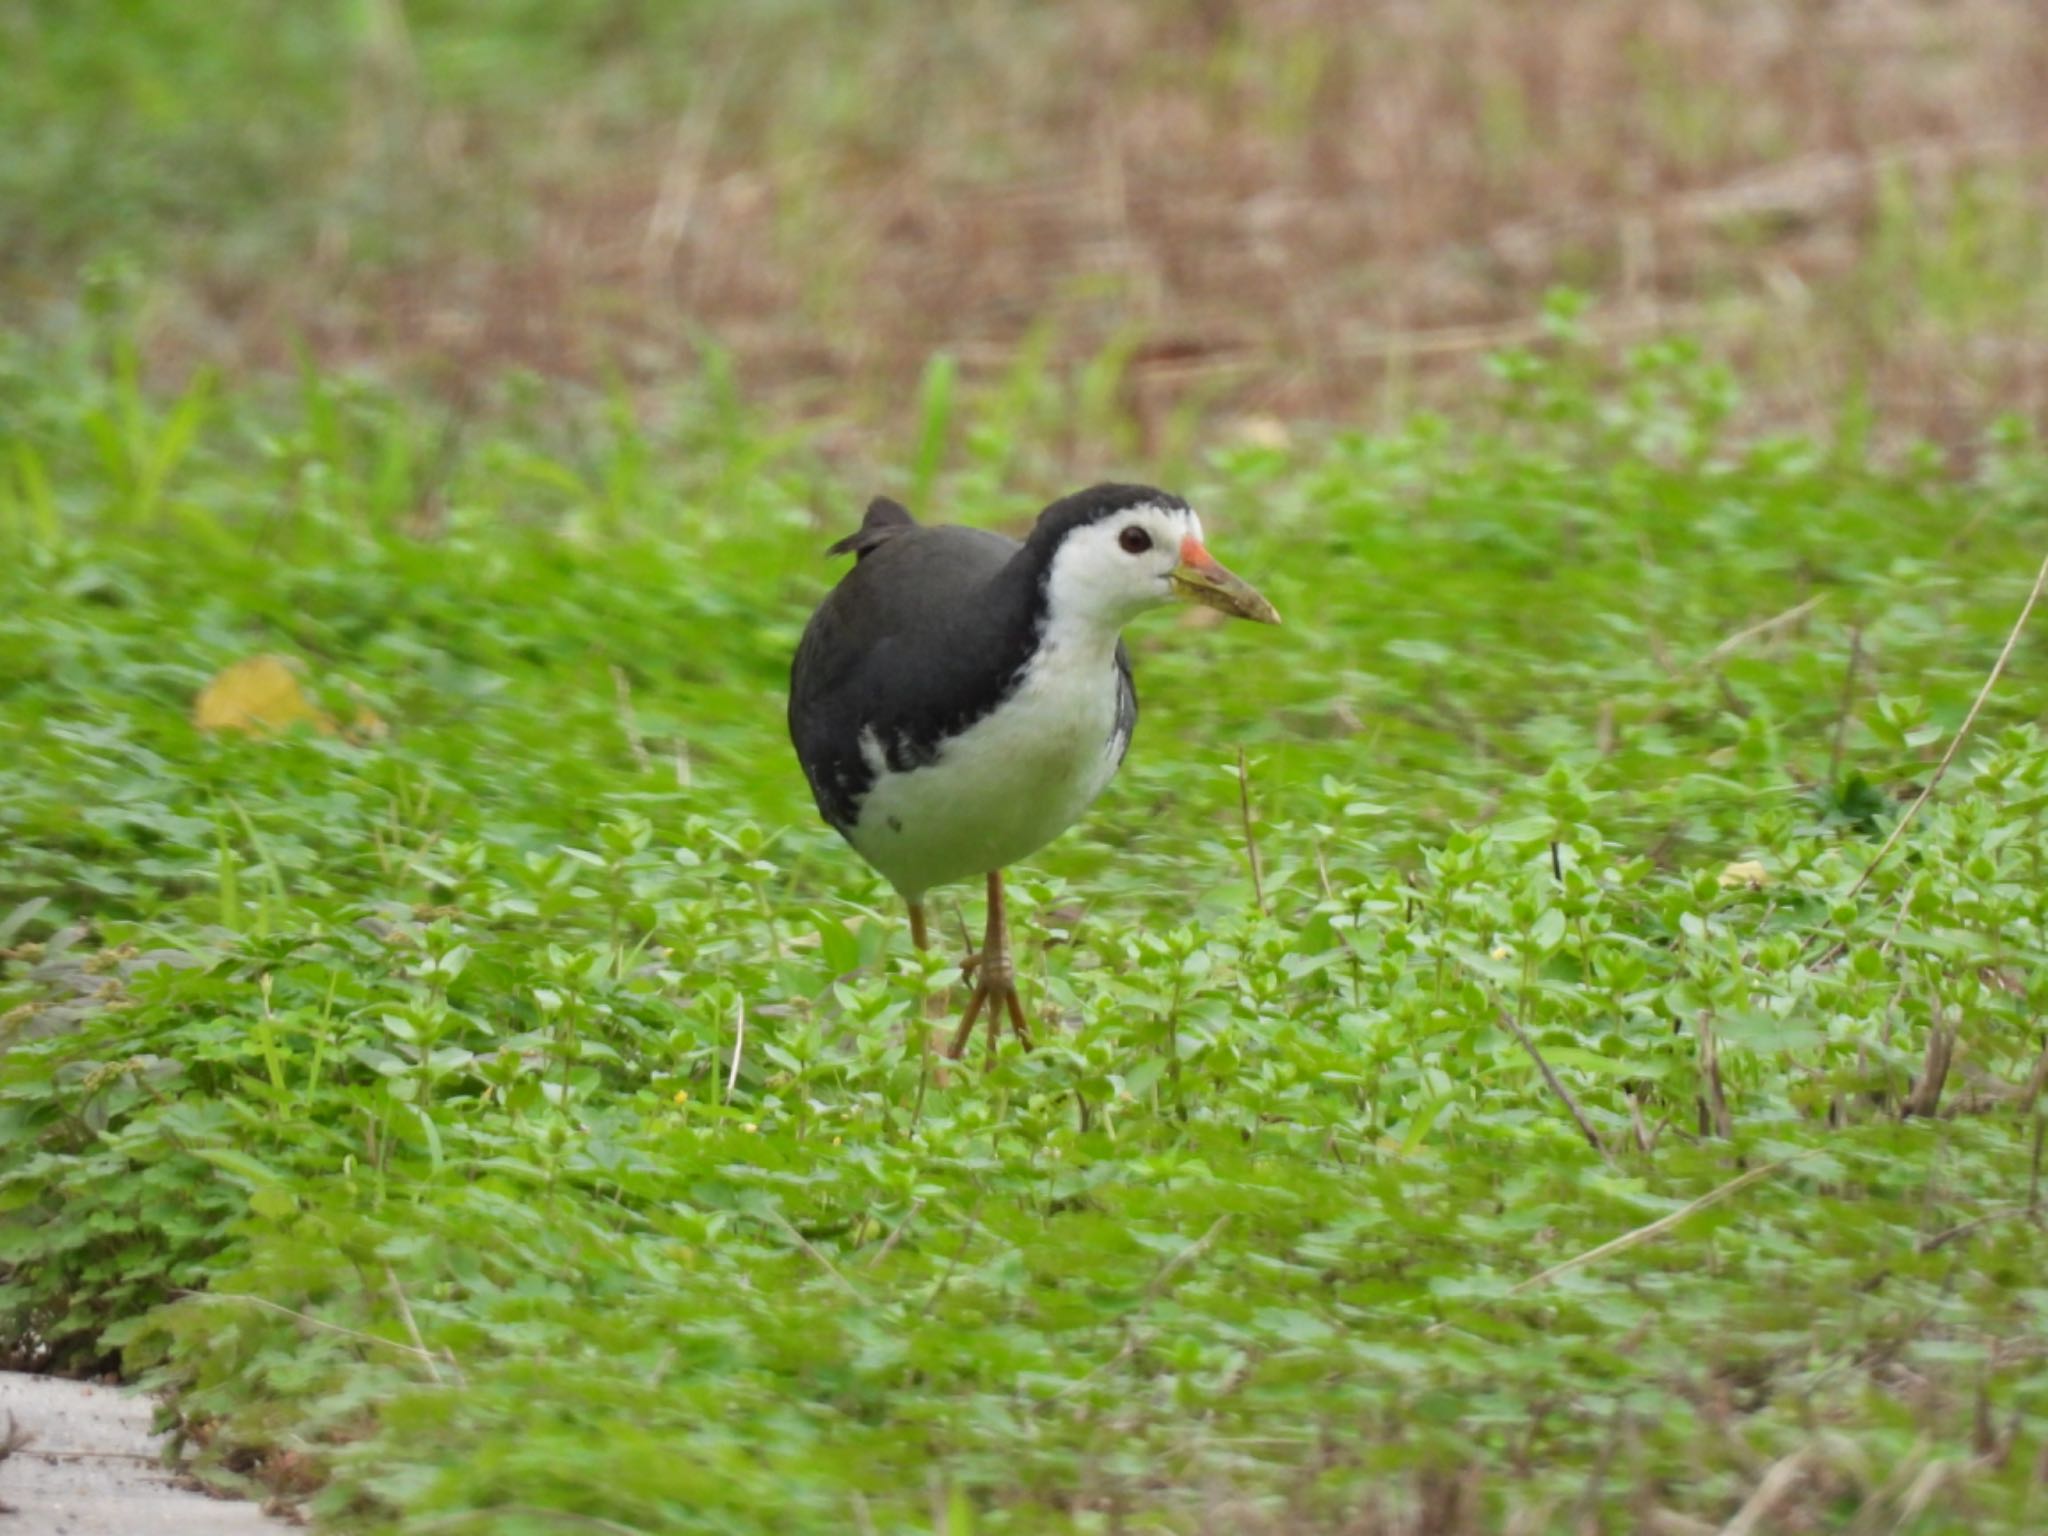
(959,699)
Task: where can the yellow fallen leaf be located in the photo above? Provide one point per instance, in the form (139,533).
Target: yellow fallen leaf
(259,696)
(1748,873)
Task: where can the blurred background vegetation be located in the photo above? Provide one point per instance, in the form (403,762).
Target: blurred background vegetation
(1177,211)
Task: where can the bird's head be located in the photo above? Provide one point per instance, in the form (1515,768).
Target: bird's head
(1111,552)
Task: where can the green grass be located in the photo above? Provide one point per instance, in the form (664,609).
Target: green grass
(514,1120)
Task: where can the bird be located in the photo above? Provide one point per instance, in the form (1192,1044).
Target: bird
(960,698)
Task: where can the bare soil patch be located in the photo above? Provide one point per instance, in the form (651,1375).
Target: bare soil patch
(1305,208)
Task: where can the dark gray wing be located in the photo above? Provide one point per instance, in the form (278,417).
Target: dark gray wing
(1126,703)
(926,634)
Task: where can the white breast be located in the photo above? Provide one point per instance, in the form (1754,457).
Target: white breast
(1007,785)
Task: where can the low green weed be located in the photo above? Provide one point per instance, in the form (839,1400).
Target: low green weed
(519,1116)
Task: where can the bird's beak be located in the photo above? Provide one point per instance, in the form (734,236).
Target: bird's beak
(1200,579)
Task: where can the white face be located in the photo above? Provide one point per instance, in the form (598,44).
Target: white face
(1116,567)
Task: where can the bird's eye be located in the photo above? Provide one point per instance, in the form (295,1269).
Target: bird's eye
(1134,540)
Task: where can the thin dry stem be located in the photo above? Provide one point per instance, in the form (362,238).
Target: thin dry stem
(1251,841)
(1935,1242)
(1962,733)
(1776,1486)
(1713,1097)
(1655,1229)
(889,1243)
(1134,1337)
(1742,637)
(1847,705)
(939,1287)
(2037,1083)
(1185,1257)
(739,1041)
(812,1253)
(492,1517)
(412,1327)
(1925,1097)
(629,724)
(310,1321)
(1557,1086)
(2034,1174)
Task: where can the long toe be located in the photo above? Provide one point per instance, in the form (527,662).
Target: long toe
(966,1030)
(1015,1004)
(1005,1006)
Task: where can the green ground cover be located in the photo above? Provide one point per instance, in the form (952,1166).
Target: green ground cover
(505,1111)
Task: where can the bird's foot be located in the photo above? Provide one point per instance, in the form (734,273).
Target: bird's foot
(994,997)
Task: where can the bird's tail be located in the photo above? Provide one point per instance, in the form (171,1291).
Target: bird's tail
(884,521)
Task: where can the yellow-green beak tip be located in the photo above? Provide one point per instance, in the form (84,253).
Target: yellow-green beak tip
(1200,579)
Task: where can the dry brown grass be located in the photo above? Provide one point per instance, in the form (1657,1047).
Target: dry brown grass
(1303,207)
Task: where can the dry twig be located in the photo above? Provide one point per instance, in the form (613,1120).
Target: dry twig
(1557,1086)
(1735,642)
(1955,742)
(1251,842)
(739,1040)
(895,1237)
(1135,1338)
(412,1328)
(1719,1121)
(313,1322)
(1770,1493)
(1848,703)
(629,724)
(811,1252)
(491,1517)
(1925,1097)
(1654,1229)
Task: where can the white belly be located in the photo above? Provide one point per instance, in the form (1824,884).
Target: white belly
(1005,787)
